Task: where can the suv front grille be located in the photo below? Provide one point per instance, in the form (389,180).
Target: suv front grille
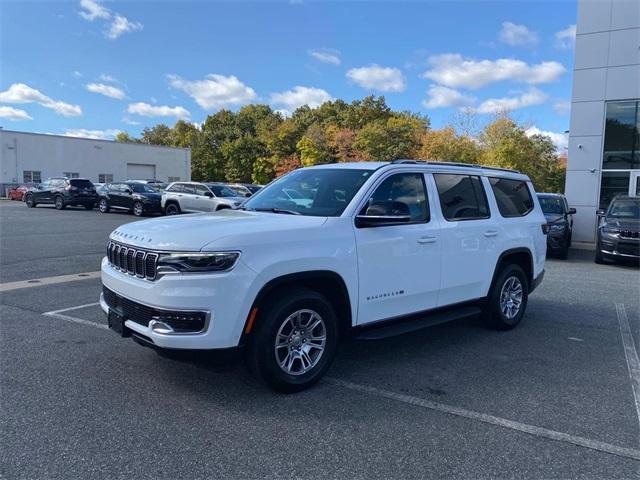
(134,261)
(629,234)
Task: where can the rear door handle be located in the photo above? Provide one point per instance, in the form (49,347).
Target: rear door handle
(423,240)
(491,233)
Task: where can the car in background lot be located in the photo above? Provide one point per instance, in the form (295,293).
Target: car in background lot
(245,189)
(560,220)
(63,192)
(375,250)
(191,197)
(618,235)
(135,197)
(17,193)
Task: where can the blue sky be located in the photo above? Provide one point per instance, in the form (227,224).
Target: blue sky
(94,68)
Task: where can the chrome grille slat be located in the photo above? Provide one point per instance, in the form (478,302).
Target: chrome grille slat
(138,262)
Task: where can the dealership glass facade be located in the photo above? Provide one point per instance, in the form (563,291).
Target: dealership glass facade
(621,152)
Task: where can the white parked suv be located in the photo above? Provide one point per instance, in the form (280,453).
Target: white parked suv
(377,249)
(190,197)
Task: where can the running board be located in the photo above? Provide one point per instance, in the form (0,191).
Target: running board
(394,328)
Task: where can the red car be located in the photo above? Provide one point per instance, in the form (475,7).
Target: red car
(17,193)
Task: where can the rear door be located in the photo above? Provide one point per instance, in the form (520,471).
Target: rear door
(470,237)
(398,265)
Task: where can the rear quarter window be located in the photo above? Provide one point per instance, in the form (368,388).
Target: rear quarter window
(512,196)
(462,197)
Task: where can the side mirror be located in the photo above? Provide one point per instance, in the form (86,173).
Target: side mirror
(248,194)
(600,213)
(571,211)
(382,214)
(208,194)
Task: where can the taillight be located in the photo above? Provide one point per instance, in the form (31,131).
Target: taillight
(545,228)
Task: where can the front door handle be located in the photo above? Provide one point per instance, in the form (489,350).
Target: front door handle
(423,240)
(491,233)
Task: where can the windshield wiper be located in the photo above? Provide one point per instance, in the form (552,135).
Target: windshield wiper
(276,210)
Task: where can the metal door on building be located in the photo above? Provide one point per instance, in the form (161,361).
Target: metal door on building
(140,171)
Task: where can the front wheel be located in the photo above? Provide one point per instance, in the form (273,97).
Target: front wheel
(294,341)
(103,206)
(59,203)
(507,301)
(138,209)
(30,201)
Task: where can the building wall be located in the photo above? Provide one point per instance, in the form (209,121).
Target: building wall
(53,155)
(606,68)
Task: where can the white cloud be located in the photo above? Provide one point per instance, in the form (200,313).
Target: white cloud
(21,93)
(517,35)
(13,114)
(147,110)
(215,91)
(130,121)
(106,90)
(108,134)
(108,78)
(497,105)
(298,96)
(455,71)
(92,9)
(76,73)
(375,77)
(562,107)
(326,55)
(560,140)
(566,39)
(443,97)
(121,25)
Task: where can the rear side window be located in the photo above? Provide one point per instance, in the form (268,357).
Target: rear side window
(462,197)
(512,196)
(81,183)
(187,188)
(176,187)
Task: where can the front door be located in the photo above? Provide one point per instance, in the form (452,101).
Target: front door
(634,184)
(398,265)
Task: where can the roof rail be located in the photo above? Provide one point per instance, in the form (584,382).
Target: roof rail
(455,164)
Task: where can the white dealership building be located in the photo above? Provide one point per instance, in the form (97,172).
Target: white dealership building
(27,158)
(604,136)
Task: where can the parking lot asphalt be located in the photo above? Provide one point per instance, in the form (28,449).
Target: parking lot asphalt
(553,398)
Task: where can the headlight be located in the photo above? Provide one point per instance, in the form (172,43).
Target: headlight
(557,228)
(197,262)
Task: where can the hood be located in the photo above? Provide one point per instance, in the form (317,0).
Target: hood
(197,231)
(623,223)
(554,217)
(232,200)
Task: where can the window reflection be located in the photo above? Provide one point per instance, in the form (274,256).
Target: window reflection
(622,136)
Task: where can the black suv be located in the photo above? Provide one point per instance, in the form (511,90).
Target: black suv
(63,192)
(560,220)
(135,197)
(618,234)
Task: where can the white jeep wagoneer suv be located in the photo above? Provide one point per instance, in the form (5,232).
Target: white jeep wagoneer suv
(364,249)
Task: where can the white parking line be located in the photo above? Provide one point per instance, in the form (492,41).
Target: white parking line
(630,353)
(68,318)
(38,282)
(490,419)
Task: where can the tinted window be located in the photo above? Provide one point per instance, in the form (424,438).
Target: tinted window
(461,196)
(201,190)
(512,196)
(552,205)
(403,188)
(622,136)
(81,183)
(222,191)
(142,188)
(325,192)
(187,188)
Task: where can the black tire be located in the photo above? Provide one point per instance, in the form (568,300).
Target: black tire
(262,359)
(59,203)
(172,209)
(103,206)
(88,206)
(494,316)
(31,203)
(138,209)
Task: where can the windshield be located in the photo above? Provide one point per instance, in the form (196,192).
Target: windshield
(317,192)
(627,208)
(222,191)
(142,188)
(553,205)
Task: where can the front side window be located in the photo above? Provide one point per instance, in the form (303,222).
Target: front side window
(512,196)
(462,197)
(222,191)
(398,194)
(201,190)
(323,192)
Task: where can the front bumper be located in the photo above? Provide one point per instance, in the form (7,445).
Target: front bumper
(225,297)
(556,242)
(614,246)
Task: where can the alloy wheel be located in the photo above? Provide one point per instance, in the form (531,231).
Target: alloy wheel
(300,342)
(511,297)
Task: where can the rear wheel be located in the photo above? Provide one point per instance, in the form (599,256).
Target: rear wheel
(507,301)
(137,209)
(103,206)
(172,209)
(30,201)
(294,341)
(59,203)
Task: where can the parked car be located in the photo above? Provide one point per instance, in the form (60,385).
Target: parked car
(190,197)
(63,192)
(246,189)
(379,249)
(618,235)
(17,193)
(135,197)
(560,220)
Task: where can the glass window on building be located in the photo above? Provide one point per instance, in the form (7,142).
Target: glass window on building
(622,137)
(71,174)
(31,176)
(611,185)
(105,177)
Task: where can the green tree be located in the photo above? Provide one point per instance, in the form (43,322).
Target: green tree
(124,137)
(446,145)
(158,135)
(240,156)
(397,137)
